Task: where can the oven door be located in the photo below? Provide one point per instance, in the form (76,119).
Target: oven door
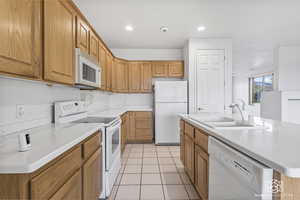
(113,144)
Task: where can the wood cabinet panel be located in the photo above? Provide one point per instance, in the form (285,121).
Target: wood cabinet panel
(143,135)
(82,35)
(45,184)
(135,76)
(182,147)
(189,130)
(143,123)
(91,145)
(124,130)
(109,63)
(92,170)
(189,157)
(21,38)
(71,190)
(181,125)
(59,41)
(201,172)
(94,46)
(160,69)
(103,57)
(176,69)
(143,114)
(120,76)
(131,134)
(146,85)
(201,139)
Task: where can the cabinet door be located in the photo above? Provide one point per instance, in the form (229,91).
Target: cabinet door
(120,76)
(94,46)
(92,176)
(201,172)
(71,189)
(102,56)
(82,40)
(160,69)
(59,41)
(109,71)
(182,146)
(131,133)
(176,69)
(189,157)
(135,76)
(146,78)
(123,132)
(21,39)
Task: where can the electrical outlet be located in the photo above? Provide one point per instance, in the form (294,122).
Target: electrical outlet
(20,111)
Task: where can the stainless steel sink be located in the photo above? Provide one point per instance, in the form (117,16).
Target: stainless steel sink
(231,125)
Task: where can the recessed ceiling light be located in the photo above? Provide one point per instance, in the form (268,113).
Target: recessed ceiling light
(164,29)
(201,28)
(128,28)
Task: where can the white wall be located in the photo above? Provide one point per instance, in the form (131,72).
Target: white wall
(38,97)
(149,54)
(289,68)
(195,44)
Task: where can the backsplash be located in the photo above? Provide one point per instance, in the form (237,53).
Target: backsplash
(37,99)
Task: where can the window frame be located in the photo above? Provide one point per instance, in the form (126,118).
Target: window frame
(250,82)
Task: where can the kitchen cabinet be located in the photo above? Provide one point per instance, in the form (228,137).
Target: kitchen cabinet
(189,157)
(21,38)
(141,127)
(92,176)
(201,172)
(75,174)
(124,130)
(59,42)
(94,46)
(135,77)
(182,141)
(176,69)
(102,56)
(146,85)
(82,35)
(120,76)
(160,69)
(109,63)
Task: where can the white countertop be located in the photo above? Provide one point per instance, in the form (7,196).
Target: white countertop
(276,145)
(49,142)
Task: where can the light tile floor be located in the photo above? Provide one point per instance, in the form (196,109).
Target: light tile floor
(152,172)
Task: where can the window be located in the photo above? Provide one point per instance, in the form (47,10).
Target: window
(259,84)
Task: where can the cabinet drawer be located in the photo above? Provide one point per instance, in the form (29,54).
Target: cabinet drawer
(181,125)
(91,145)
(45,184)
(201,139)
(70,190)
(143,114)
(143,123)
(189,130)
(143,134)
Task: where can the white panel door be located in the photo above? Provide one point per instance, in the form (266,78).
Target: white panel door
(167,122)
(210,80)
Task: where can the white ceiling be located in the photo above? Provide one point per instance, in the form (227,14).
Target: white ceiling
(255,26)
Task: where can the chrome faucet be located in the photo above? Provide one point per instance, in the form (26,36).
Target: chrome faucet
(232,106)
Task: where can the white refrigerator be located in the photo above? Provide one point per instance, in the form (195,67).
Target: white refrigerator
(170,99)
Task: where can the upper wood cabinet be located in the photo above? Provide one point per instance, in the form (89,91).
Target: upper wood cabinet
(160,69)
(102,56)
(82,35)
(168,69)
(135,76)
(120,76)
(94,46)
(59,41)
(21,39)
(109,63)
(176,69)
(146,85)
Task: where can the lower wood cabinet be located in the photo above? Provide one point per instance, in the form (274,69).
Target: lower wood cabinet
(124,130)
(182,147)
(72,175)
(92,176)
(201,172)
(189,157)
(141,127)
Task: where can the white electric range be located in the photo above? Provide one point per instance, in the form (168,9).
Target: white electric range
(76,112)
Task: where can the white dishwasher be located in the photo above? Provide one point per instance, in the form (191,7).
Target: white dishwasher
(235,176)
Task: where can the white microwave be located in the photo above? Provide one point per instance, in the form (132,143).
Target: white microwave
(88,72)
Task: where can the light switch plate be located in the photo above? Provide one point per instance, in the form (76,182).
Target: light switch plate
(20,111)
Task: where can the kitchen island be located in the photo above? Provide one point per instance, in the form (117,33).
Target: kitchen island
(269,142)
